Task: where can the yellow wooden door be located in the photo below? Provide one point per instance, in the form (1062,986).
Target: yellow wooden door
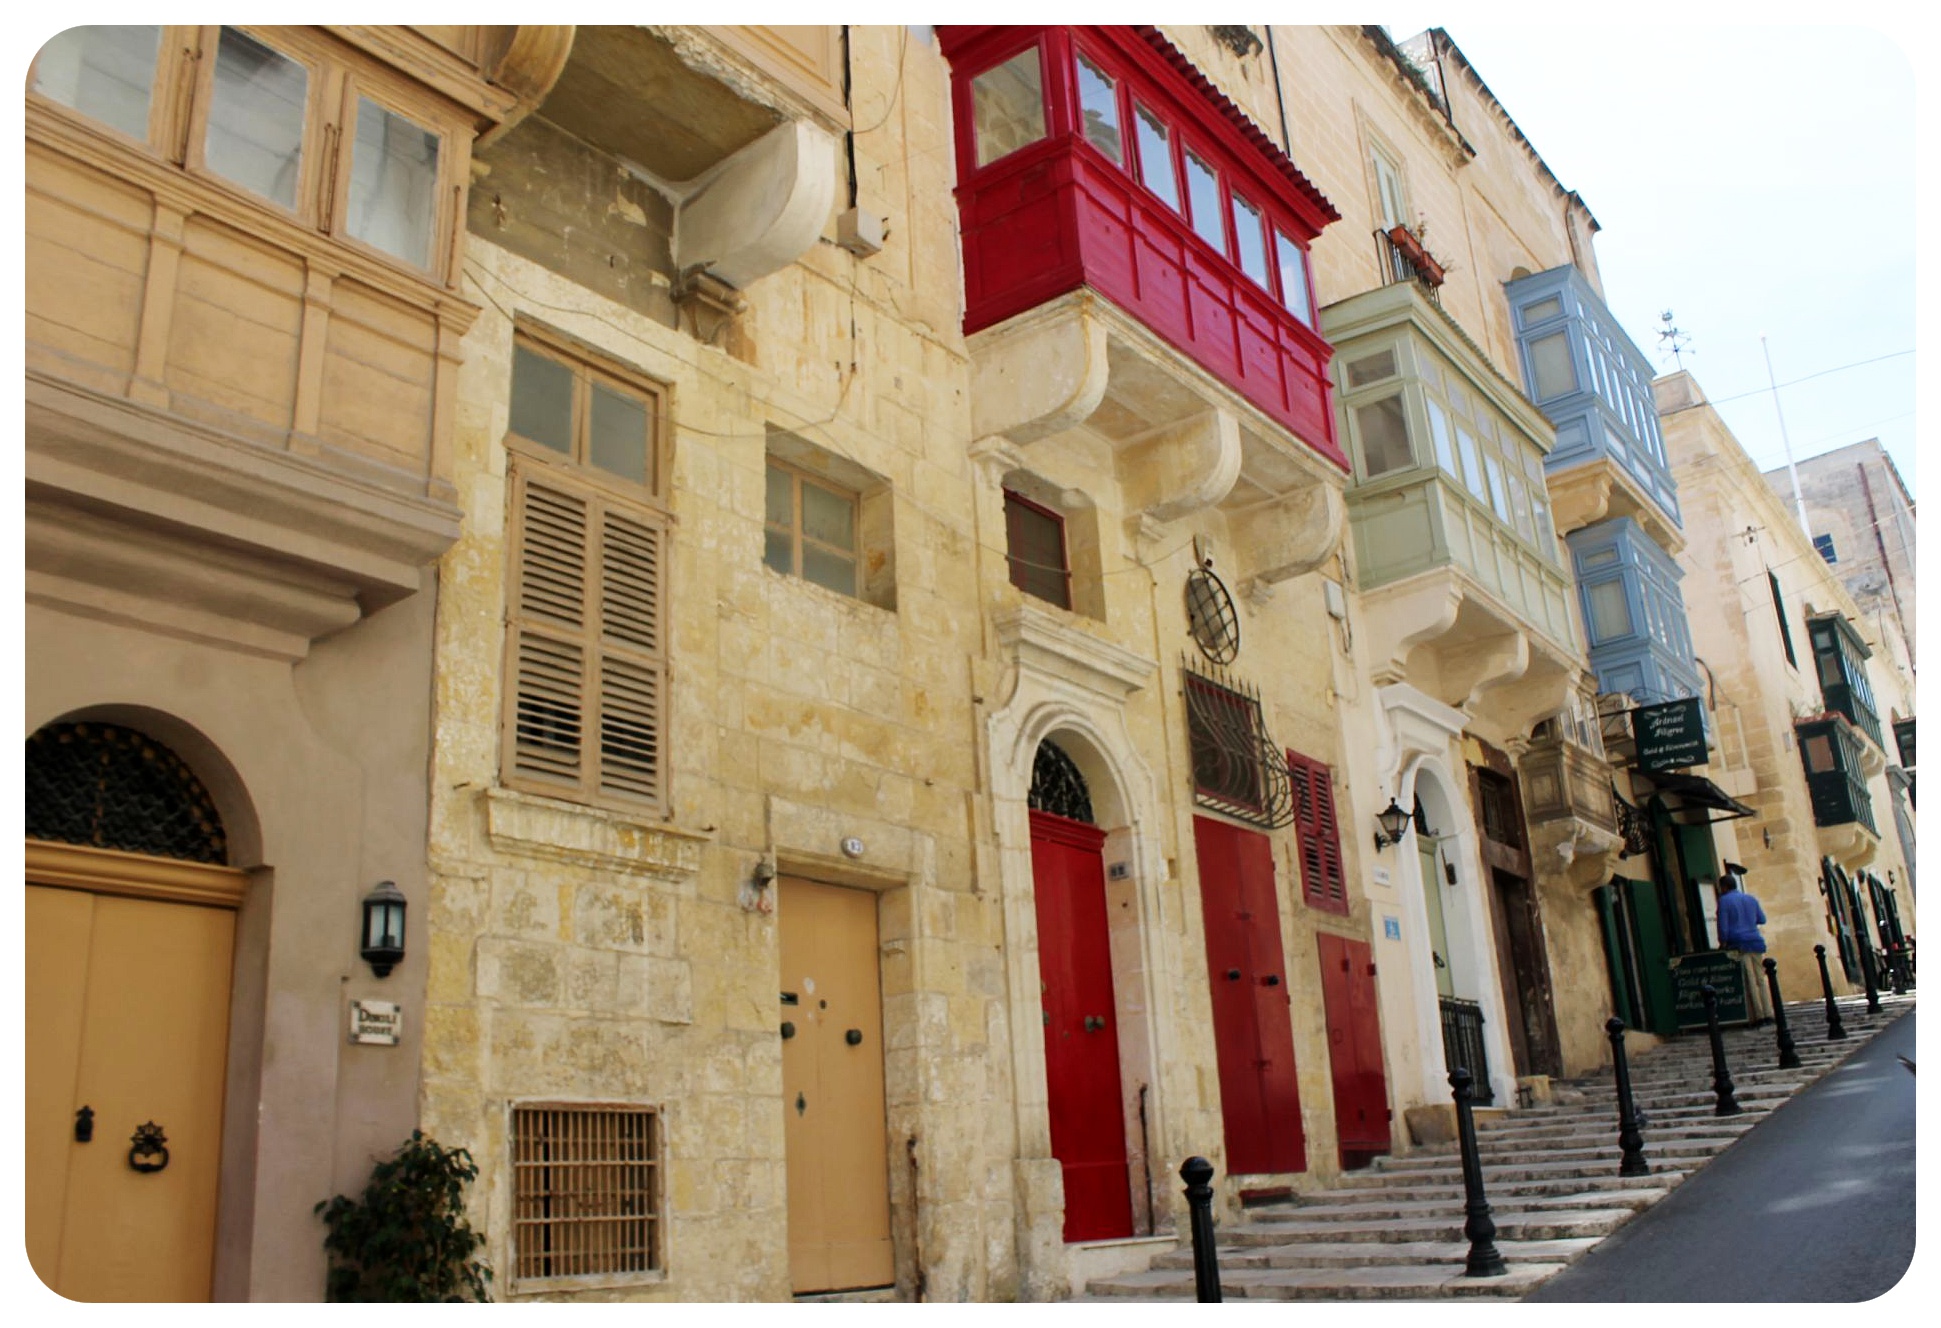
(127,1014)
(832,1090)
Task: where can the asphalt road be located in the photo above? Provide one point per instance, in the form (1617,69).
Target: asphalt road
(1816,1203)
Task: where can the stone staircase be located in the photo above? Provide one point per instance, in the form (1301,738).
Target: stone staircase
(1395,1229)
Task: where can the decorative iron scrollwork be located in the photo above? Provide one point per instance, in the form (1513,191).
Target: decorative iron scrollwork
(1210,616)
(1057,786)
(1237,766)
(1633,826)
(107,786)
(149,1143)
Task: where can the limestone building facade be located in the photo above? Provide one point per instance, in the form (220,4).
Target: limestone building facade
(1863,524)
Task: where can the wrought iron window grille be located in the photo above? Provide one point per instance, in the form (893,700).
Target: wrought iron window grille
(106,786)
(1238,768)
(1057,786)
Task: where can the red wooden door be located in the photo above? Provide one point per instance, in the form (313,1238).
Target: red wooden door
(1354,1049)
(1081,1028)
(1253,1027)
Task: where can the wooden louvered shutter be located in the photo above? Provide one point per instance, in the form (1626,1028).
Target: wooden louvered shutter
(1323,880)
(547,738)
(588,675)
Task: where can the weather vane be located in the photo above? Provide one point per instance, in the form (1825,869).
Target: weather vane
(1672,338)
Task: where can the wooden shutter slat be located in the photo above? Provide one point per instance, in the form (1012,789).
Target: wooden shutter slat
(630,708)
(1328,835)
(548,729)
(630,567)
(1323,879)
(552,554)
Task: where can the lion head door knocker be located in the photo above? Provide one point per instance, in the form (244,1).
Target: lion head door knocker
(149,1152)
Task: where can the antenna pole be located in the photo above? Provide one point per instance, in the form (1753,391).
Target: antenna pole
(1799,503)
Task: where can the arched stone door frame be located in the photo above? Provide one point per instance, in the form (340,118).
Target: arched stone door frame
(1072,688)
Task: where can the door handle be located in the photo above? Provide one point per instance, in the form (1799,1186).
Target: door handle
(1094,1023)
(84,1125)
(788,1030)
(801,1104)
(1233,975)
(1272,979)
(854,1037)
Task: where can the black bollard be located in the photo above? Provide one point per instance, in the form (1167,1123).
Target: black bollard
(1197,1172)
(1724,1104)
(1630,1137)
(1834,1028)
(1897,969)
(1867,974)
(1485,1260)
(1788,1053)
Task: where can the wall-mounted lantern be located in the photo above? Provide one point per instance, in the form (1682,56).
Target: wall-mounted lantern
(383,935)
(1391,824)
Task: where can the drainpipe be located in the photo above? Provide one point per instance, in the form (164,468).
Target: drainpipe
(1880,546)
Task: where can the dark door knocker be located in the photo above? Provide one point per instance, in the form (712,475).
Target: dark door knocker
(149,1144)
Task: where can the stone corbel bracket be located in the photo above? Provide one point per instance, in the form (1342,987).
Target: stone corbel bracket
(760,209)
(1288,537)
(1395,623)
(1182,467)
(1038,375)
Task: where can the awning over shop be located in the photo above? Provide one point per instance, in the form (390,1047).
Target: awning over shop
(1695,795)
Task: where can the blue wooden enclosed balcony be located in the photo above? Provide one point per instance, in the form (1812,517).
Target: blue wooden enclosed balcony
(1100,159)
(1634,616)
(1455,551)
(1594,385)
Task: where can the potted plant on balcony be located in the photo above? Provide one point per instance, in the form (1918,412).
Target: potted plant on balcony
(1412,243)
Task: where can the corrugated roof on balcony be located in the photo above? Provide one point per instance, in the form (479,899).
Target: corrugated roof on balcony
(1237,117)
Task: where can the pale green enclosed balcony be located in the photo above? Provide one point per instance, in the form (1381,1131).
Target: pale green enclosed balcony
(1456,555)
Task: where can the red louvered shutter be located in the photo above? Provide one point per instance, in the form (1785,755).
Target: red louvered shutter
(1323,881)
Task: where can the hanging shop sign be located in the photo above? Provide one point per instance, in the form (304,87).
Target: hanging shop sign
(1670,736)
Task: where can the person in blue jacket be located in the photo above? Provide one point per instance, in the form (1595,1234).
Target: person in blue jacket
(1740,919)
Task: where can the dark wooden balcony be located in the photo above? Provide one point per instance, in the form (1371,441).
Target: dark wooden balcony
(1834,755)
(1100,157)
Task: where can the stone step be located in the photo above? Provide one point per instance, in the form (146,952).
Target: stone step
(1667,1149)
(1437,1281)
(1363,1254)
(1446,1225)
(1534,1169)
(1425,1188)
(1696,1124)
(1376,1205)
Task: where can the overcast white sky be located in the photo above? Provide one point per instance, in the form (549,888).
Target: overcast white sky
(1749,177)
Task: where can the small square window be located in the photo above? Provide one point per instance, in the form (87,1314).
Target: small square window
(811,529)
(576,411)
(586,1192)
(1541,311)
(1824,544)
(1098,104)
(1008,106)
(1371,368)
(1034,539)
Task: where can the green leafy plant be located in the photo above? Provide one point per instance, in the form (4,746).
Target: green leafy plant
(407,1239)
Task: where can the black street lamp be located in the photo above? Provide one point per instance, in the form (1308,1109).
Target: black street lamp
(383,934)
(1393,823)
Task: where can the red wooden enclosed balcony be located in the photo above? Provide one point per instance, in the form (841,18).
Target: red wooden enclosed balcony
(1101,157)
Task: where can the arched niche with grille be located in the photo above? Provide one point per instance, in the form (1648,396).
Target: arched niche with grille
(1057,786)
(106,786)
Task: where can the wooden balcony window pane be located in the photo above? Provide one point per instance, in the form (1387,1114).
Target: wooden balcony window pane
(1439,431)
(1498,501)
(617,439)
(1472,466)
(393,184)
(256,117)
(1098,102)
(1819,754)
(1156,158)
(1384,429)
(1520,506)
(1610,610)
(1371,368)
(1203,193)
(1251,239)
(1295,293)
(1550,366)
(105,73)
(1009,107)
(1541,311)
(542,400)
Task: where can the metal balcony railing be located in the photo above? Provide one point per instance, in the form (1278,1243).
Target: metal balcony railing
(1399,265)
(1462,1043)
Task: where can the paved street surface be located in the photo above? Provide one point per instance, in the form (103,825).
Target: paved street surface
(1816,1204)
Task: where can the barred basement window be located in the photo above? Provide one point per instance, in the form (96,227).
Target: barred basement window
(586,1191)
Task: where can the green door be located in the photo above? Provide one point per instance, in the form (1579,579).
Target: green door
(1654,957)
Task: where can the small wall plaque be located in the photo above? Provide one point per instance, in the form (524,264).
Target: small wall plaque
(852,847)
(1381,876)
(1118,871)
(376,1023)
(1391,929)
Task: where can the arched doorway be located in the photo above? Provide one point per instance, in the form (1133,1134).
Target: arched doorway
(1459,968)
(130,911)
(1080,1016)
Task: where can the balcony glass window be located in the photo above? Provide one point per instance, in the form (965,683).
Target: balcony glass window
(1098,104)
(1250,236)
(1541,310)
(1439,431)
(542,400)
(1472,462)
(106,73)
(1295,292)
(1010,106)
(1550,366)
(1498,500)
(1384,429)
(1520,506)
(1818,751)
(393,184)
(1371,368)
(1203,195)
(1156,158)
(1610,611)
(1388,189)
(256,117)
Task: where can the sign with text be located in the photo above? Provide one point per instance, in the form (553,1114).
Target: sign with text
(1721,970)
(1670,736)
(376,1023)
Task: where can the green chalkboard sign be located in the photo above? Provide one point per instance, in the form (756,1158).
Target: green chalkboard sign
(1669,736)
(1719,968)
